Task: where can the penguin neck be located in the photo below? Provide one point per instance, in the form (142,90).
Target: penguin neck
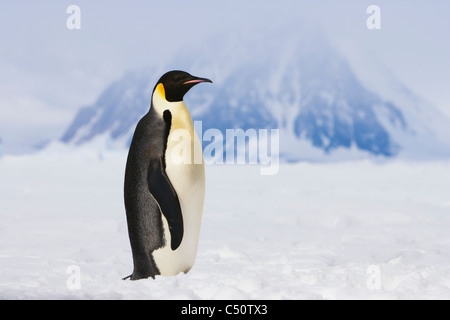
(181,118)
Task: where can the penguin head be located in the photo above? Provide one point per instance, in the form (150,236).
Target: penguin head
(175,84)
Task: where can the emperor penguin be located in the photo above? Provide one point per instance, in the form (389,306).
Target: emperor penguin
(164,185)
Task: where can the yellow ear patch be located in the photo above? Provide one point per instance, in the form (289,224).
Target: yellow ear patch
(161,90)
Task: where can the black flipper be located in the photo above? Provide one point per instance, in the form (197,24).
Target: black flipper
(164,193)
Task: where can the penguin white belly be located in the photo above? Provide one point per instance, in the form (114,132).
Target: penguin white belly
(188,180)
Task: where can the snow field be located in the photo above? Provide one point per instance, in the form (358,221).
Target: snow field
(352,230)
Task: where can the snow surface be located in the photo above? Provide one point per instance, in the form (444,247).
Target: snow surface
(313,231)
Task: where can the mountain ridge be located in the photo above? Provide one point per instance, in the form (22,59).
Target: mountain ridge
(296,82)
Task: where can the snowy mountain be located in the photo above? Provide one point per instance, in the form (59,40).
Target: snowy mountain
(292,79)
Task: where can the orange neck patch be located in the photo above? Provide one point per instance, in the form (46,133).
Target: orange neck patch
(161,90)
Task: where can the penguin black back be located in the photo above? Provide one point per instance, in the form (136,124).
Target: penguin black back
(145,230)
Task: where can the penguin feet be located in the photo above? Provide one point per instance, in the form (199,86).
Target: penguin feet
(134,277)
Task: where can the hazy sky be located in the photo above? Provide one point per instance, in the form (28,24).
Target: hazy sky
(48,72)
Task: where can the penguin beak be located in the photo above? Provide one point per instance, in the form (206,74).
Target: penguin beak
(196,80)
